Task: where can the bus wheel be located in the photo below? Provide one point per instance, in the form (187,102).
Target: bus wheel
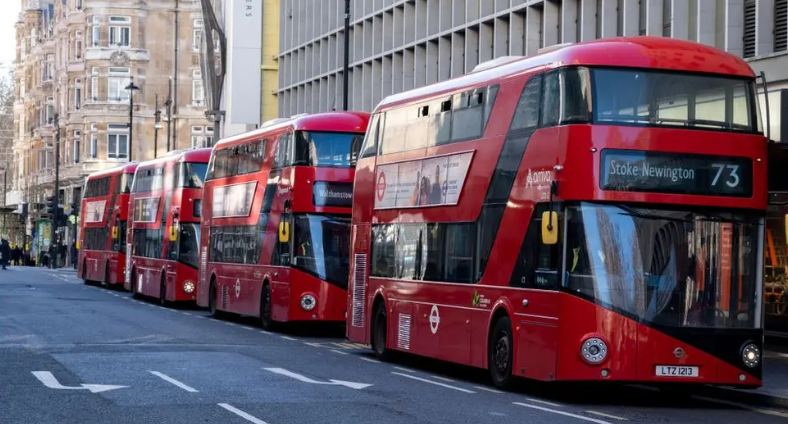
(163,290)
(380,333)
(500,352)
(106,277)
(85,273)
(212,299)
(265,308)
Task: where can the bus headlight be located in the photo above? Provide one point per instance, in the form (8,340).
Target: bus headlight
(188,287)
(751,355)
(594,350)
(308,302)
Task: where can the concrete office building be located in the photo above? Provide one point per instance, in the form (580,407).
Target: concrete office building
(396,45)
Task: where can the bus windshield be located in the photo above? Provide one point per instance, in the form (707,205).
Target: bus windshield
(672,99)
(189,244)
(315,148)
(191,174)
(668,267)
(322,247)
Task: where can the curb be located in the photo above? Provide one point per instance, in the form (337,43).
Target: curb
(751,397)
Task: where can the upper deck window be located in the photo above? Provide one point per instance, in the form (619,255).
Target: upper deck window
(191,174)
(328,149)
(123,185)
(236,160)
(97,187)
(452,119)
(148,180)
(673,99)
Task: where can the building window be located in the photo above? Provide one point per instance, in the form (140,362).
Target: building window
(94,84)
(118,141)
(198,93)
(78,46)
(95,35)
(50,111)
(77,144)
(23,49)
(119,79)
(77,97)
(197,136)
(93,145)
(197,40)
(48,68)
(749,28)
(120,31)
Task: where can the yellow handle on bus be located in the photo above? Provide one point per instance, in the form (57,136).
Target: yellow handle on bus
(174,232)
(284,232)
(114,233)
(549,227)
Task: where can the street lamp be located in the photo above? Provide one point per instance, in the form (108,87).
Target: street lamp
(131,88)
(156,129)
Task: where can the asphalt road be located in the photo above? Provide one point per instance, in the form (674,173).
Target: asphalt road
(66,347)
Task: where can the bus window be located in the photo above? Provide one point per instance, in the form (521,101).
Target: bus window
(370,145)
(327,149)
(537,264)
(191,175)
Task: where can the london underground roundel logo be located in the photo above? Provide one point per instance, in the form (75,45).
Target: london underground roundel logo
(381,189)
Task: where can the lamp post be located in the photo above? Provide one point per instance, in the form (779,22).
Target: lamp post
(156,127)
(131,88)
(168,104)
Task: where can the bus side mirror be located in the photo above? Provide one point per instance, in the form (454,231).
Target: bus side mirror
(114,233)
(284,232)
(549,227)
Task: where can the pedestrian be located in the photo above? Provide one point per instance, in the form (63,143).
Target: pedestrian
(5,251)
(74,254)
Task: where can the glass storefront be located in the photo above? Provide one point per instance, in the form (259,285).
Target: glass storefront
(775,277)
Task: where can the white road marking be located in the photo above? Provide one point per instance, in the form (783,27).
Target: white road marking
(487,389)
(543,402)
(186,313)
(266,332)
(51,382)
(566,414)
(288,338)
(173,381)
(404,369)
(299,377)
(374,361)
(313,344)
(339,352)
(247,328)
(448,386)
(602,414)
(242,414)
(742,406)
(443,378)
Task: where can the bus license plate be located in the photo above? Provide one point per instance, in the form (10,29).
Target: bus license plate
(676,371)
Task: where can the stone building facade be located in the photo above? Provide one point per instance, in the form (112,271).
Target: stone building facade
(74,60)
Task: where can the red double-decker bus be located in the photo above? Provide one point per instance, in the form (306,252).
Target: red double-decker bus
(164,234)
(276,224)
(593,212)
(102,228)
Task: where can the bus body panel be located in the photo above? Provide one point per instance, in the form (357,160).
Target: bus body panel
(453,321)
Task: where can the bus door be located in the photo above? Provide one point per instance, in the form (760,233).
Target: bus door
(282,258)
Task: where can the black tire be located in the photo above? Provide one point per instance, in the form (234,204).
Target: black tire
(500,352)
(380,333)
(212,299)
(163,290)
(106,276)
(85,274)
(133,285)
(266,322)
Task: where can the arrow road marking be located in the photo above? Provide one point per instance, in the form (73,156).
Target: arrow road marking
(299,377)
(50,381)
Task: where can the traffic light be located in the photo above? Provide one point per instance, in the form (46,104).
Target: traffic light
(52,207)
(62,219)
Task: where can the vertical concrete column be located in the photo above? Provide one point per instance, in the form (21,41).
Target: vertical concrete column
(632,17)
(654,17)
(550,19)
(533,20)
(569,21)
(707,20)
(679,14)
(734,27)
(587,20)
(609,18)
(764,27)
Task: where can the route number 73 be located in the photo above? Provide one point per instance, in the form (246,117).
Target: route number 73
(732,178)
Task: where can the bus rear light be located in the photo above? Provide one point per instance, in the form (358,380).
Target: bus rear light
(188,287)
(751,355)
(594,350)
(308,302)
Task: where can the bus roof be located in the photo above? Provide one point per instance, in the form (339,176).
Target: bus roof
(127,168)
(350,121)
(634,52)
(191,155)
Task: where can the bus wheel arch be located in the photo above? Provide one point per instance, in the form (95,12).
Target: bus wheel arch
(133,283)
(500,348)
(163,289)
(213,296)
(378,328)
(266,309)
(85,278)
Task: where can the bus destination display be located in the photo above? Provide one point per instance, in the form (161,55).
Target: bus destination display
(679,173)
